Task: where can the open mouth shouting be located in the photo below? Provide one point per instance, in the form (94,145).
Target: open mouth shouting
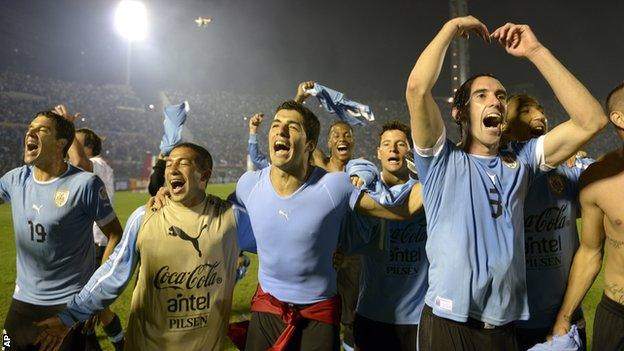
(177,185)
(342,149)
(538,127)
(31,147)
(281,148)
(493,120)
(394,160)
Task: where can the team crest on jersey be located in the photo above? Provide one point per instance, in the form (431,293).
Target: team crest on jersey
(102,193)
(556,183)
(60,197)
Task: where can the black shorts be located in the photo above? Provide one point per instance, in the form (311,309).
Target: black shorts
(608,326)
(22,332)
(349,290)
(441,334)
(265,328)
(373,335)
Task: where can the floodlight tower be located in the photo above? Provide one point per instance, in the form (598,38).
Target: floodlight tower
(131,23)
(460,57)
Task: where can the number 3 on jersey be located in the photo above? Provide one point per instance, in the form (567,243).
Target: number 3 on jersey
(495,203)
(36,229)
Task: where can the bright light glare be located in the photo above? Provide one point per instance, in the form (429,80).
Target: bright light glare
(131,20)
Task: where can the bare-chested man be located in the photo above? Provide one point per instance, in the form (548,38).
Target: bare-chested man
(601,195)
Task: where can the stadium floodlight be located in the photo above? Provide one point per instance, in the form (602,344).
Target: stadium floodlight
(131,20)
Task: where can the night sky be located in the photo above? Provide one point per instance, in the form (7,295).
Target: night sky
(365,48)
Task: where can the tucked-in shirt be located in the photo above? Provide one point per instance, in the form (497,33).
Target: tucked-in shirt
(551,239)
(53,226)
(475,237)
(297,234)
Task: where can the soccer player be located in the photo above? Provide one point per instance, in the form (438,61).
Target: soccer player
(188,253)
(295,211)
(551,239)
(474,192)
(394,263)
(601,197)
(54,205)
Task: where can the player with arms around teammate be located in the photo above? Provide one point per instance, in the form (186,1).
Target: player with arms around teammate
(394,263)
(295,211)
(54,205)
(474,192)
(188,253)
(601,197)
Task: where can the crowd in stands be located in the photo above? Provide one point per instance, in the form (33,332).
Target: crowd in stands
(216,120)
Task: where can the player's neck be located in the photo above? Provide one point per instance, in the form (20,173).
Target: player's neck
(286,182)
(48,171)
(195,200)
(476,148)
(336,165)
(391,179)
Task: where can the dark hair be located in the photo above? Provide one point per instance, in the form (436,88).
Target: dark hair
(523,100)
(461,101)
(91,140)
(203,157)
(397,125)
(64,128)
(461,98)
(608,103)
(311,124)
(337,122)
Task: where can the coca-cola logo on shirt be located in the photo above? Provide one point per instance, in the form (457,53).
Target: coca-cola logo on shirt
(204,275)
(552,218)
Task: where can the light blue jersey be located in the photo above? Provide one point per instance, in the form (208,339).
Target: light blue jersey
(475,243)
(53,225)
(551,239)
(297,235)
(394,265)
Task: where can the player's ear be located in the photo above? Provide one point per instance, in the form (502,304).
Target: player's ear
(310,146)
(61,143)
(205,176)
(456,113)
(617,118)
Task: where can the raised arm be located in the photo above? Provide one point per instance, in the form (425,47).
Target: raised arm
(587,260)
(425,118)
(587,117)
(301,91)
(366,205)
(76,153)
(259,160)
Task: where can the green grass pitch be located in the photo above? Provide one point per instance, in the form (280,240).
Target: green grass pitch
(125,203)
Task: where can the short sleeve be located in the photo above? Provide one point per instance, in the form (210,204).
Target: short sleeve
(426,159)
(6,184)
(96,202)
